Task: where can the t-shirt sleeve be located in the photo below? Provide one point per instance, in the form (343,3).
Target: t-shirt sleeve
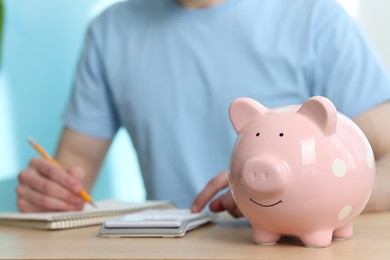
(347,69)
(90,109)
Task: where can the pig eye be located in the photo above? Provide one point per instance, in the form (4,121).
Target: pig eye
(257,134)
(281,134)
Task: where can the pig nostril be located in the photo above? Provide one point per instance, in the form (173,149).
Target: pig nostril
(265,176)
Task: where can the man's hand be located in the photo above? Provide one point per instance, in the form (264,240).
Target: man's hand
(44,187)
(376,127)
(223,202)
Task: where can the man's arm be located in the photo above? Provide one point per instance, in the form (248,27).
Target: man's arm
(44,187)
(77,149)
(375,124)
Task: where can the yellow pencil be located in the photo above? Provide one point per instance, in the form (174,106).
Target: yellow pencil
(51,160)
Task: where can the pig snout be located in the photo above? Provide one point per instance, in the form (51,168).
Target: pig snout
(264,175)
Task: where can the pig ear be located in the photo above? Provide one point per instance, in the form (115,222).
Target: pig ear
(322,112)
(243,110)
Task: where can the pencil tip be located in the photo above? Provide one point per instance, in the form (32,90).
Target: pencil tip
(93,204)
(30,140)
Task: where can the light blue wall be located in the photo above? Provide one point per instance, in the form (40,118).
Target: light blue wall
(42,41)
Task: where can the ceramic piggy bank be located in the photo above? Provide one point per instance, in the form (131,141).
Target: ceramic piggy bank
(305,171)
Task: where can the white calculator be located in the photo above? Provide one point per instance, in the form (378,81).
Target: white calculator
(155,223)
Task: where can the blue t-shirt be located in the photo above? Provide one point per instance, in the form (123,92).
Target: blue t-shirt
(168,75)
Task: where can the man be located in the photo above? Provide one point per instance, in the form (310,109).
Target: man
(167,71)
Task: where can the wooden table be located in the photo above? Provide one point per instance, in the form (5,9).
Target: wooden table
(225,239)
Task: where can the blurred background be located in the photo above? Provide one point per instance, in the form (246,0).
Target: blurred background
(40,44)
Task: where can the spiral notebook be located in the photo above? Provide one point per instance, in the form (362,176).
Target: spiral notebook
(89,216)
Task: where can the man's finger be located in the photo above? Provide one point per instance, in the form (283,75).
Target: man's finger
(225,202)
(45,186)
(216,184)
(57,175)
(42,202)
(25,206)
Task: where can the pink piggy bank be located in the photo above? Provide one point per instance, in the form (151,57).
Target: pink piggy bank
(304,171)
